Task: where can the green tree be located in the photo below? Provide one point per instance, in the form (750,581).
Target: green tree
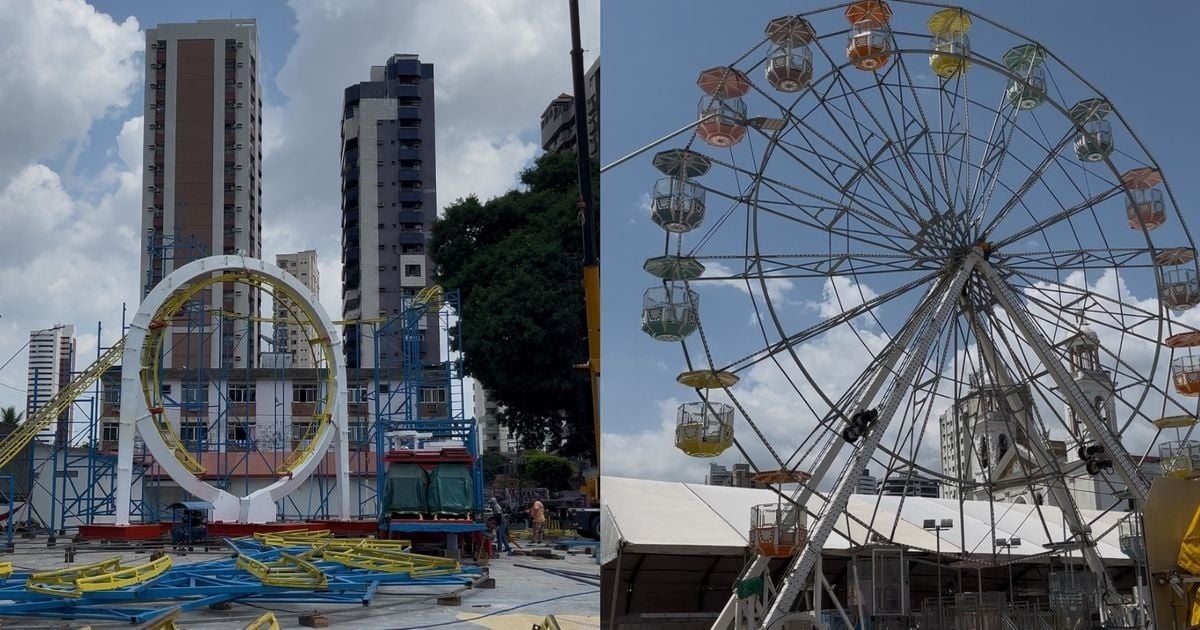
(494,464)
(517,261)
(549,471)
(9,417)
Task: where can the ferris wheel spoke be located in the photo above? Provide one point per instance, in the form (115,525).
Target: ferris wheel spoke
(1132,384)
(775,185)
(866,232)
(895,143)
(1035,175)
(863,164)
(1002,130)
(1063,215)
(779,266)
(1077,259)
(828,324)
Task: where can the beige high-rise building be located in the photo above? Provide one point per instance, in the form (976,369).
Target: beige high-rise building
(51,362)
(292,338)
(203,180)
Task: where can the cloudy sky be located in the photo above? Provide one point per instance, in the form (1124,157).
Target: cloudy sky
(656,51)
(71,128)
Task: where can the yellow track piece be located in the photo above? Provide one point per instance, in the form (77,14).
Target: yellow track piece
(6,570)
(265,622)
(293,538)
(151,362)
(416,565)
(12,445)
(62,581)
(124,577)
(287,571)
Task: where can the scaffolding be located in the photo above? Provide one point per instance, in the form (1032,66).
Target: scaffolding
(239,423)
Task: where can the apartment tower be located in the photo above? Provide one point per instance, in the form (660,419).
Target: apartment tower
(291,338)
(203,179)
(51,362)
(389,204)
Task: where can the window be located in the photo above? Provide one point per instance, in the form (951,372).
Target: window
(193,432)
(300,430)
(358,394)
(241,393)
(195,393)
(358,432)
(239,431)
(433,394)
(112,393)
(304,393)
(110,432)
(412,271)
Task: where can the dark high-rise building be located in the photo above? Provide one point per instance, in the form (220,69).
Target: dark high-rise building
(389,204)
(203,179)
(558,120)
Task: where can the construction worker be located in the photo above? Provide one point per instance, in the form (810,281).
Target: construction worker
(501,525)
(537,514)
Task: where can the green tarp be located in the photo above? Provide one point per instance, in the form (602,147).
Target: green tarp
(407,489)
(451,489)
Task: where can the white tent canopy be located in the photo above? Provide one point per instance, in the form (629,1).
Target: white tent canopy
(673,518)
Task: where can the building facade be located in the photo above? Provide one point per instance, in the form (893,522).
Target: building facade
(51,363)
(493,435)
(867,483)
(202,192)
(908,483)
(389,203)
(558,119)
(292,339)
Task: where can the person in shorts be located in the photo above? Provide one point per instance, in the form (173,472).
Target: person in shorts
(537,515)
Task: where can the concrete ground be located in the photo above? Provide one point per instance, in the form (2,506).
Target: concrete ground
(522,597)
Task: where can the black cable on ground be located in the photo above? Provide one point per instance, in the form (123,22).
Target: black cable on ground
(497,612)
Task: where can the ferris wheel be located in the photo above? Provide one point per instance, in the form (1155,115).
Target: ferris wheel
(979,240)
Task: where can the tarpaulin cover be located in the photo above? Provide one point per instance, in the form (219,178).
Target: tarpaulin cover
(1189,550)
(451,489)
(407,489)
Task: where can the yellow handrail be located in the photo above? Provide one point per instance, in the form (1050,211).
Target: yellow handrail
(12,445)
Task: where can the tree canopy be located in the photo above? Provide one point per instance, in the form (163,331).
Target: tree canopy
(517,261)
(551,472)
(9,416)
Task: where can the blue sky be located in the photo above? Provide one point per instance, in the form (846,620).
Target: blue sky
(71,132)
(656,50)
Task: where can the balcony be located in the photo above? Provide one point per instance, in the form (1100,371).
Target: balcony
(408,154)
(408,111)
(411,217)
(411,238)
(410,196)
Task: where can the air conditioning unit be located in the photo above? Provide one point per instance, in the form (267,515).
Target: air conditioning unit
(237,146)
(239,208)
(149,230)
(240,44)
(153,86)
(239,231)
(238,167)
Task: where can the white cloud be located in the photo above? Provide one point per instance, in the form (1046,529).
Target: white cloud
(65,66)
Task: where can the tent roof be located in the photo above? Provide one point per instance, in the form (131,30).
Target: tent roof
(665,517)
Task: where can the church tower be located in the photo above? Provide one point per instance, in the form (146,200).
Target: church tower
(1098,385)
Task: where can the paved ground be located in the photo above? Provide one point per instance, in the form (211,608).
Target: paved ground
(522,597)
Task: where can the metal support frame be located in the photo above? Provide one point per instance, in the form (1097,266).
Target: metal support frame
(1097,428)
(833,449)
(933,325)
(1055,484)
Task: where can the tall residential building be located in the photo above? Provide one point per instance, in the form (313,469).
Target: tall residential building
(389,203)
(51,361)
(494,436)
(203,179)
(558,120)
(292,339)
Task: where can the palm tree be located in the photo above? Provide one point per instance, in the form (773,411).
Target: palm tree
(9,416)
